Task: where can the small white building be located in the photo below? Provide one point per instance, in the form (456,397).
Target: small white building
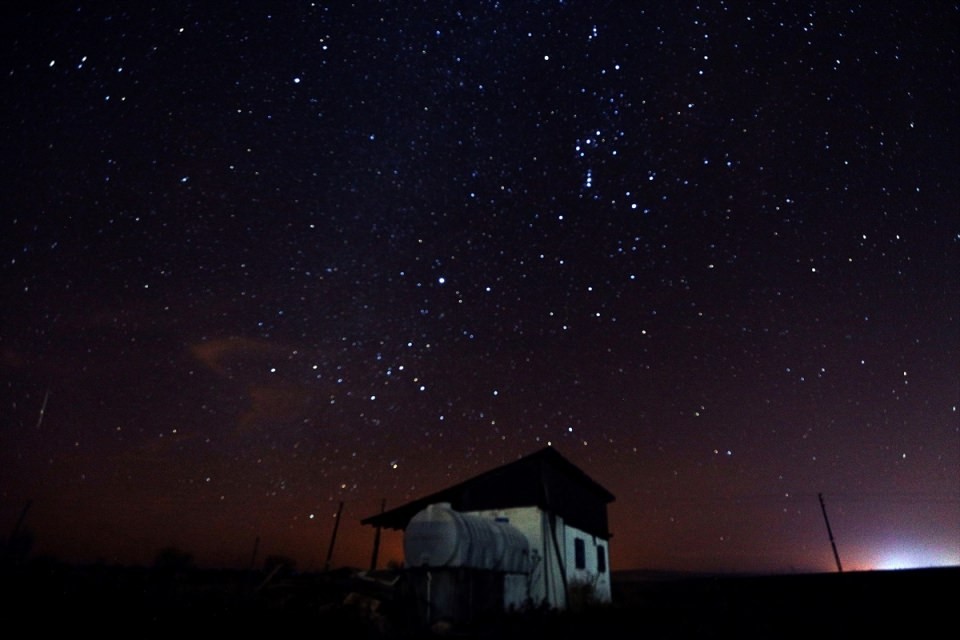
(531,533)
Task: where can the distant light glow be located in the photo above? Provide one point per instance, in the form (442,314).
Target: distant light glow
(909,555)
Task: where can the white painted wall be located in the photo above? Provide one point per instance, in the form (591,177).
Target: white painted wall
(590,574)
(545,584)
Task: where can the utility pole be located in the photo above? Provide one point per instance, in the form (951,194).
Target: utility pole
(376,540)
(333,538)
(836,556)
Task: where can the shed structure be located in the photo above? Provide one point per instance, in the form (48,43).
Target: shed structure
(532,532)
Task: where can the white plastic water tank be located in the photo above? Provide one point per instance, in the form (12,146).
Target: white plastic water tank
(438,536)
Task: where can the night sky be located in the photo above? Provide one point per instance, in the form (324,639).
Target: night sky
(262,258)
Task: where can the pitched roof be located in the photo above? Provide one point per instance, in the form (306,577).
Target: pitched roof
(543,479)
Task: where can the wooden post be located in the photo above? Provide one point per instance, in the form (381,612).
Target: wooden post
(253,557)
(376,539)
(333,538)
(836,556)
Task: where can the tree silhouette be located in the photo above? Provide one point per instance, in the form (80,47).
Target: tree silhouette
(173,560)
(280,565)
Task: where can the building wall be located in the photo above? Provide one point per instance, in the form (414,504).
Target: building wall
(550,571)
(589,566)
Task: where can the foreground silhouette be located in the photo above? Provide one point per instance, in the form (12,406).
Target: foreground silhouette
(155,602)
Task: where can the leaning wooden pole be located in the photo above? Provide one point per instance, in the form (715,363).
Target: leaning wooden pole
(10,548)
(19,524)
(333,538)
(836,556)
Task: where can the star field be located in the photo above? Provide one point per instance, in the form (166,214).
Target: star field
(260,260)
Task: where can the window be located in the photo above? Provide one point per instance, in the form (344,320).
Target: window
(580,553)
(601,559)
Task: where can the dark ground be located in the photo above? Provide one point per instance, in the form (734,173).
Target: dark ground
(152,603)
